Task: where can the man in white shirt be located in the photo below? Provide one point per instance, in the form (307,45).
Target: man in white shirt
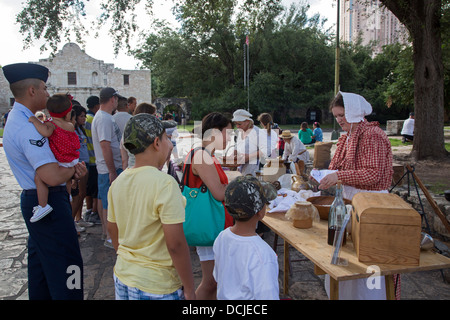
(106,137)
(408,129)
(122,116)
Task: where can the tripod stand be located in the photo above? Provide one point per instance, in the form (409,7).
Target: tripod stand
(409,174)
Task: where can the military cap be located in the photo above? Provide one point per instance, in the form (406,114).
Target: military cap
(141,131)
(21,71)
(246,196)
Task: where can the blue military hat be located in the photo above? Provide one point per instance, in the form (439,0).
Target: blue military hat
(20,71)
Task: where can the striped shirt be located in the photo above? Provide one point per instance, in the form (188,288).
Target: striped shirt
(365,160)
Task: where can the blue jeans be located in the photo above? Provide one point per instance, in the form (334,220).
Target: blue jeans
(124,292)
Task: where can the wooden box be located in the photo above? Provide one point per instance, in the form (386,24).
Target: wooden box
(385,229)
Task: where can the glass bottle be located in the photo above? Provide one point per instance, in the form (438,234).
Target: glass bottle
(336,215)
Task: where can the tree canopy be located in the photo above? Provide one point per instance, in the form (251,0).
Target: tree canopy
(291,56)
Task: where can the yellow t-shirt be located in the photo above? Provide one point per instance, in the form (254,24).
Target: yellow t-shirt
(139,201)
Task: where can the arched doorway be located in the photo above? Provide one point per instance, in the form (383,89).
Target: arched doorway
(180,106)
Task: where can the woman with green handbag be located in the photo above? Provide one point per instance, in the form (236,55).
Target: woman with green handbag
(206,170)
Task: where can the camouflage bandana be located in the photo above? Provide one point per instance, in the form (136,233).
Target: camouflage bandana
(141,131)
(246,196)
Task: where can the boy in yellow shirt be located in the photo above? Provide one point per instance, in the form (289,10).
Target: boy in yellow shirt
(145,220)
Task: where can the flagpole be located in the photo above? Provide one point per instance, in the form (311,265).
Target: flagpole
(247,41)
(245,67)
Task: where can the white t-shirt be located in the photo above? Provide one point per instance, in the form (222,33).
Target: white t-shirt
(104,128)
(268,144)
(292,149)
(408,127)
(246,268)
(121,118)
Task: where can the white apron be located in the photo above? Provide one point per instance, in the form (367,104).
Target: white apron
(358,289)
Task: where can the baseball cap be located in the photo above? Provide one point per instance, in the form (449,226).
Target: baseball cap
(241,115)
(141,131)
(246,196)
(108,92)
(20,71)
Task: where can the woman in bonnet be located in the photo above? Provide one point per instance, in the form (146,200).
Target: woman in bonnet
(363,157)
(363,160)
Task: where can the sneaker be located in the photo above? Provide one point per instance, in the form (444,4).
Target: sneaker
(108,244)
(95,218)
(83,223)
(87,215)
(79,228)
(40,212)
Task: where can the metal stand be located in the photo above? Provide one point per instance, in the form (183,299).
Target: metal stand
(409,175)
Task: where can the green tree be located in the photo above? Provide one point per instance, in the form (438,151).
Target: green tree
(423,21)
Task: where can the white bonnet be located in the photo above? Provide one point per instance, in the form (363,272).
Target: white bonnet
(356,107)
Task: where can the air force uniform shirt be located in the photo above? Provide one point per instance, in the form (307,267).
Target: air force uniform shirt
(26,149)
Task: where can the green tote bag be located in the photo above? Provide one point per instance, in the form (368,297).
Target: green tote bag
(205,216)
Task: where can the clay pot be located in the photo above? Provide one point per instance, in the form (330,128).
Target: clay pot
(301,213)
(298,183)
(302,224)
(323,204)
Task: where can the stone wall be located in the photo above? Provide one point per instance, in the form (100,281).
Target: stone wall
(394,127)
(91,76)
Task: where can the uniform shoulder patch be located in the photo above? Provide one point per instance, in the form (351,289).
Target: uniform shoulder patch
(38,143)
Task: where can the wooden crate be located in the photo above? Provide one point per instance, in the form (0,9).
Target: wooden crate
(385,229)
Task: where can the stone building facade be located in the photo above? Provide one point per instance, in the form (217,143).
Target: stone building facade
(74,71)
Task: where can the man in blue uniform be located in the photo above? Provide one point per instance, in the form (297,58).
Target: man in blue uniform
(55,265)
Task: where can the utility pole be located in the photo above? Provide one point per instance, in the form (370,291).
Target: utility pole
(247,69)
(335,134)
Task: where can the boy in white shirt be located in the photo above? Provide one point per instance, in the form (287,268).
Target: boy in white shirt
(246,267)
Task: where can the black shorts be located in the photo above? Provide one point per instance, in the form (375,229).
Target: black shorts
(92,184)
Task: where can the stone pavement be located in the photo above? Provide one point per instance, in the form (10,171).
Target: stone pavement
(99,260)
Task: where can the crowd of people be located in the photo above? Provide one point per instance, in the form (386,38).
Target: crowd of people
(111,155)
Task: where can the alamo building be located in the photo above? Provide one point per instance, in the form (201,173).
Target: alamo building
(75,72)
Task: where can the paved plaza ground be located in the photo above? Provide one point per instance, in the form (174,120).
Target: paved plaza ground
(99,260)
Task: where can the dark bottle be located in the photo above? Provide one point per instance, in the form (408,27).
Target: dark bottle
(336,215)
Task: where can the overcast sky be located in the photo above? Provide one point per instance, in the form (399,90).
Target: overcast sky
(101,48)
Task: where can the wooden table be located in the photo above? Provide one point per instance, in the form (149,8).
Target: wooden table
(312,243)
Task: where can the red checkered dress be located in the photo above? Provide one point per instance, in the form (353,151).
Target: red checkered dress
(365,161)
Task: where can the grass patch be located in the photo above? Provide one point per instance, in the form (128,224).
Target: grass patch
(438,188)
(398,143)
